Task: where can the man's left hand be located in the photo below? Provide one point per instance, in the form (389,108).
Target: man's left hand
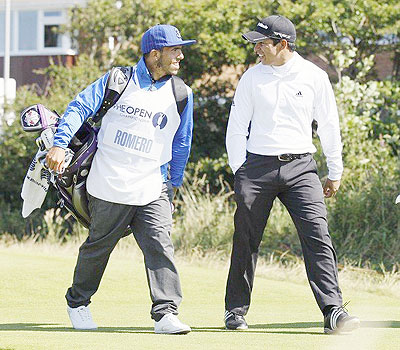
(331,187)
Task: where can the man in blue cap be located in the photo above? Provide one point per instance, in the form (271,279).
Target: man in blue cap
(143,144)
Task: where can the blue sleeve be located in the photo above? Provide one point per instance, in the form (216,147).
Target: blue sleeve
(181,144)
(85,104)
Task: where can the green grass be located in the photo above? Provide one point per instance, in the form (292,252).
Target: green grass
(283,314)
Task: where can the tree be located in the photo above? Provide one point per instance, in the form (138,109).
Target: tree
(323,27)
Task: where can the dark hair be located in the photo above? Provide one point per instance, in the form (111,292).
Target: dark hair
(276,41)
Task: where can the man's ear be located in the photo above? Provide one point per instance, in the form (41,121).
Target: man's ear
(155,54)
(284,43)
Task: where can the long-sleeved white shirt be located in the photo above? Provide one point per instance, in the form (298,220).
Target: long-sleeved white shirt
(280,103)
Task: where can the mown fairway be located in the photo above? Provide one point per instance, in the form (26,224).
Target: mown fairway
(283,314)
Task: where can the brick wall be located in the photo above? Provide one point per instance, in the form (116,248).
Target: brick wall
(22,67)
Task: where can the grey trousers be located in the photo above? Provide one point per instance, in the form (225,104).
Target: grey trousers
(257,183)
(151,226)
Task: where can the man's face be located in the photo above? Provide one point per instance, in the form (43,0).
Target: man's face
(267,52)
(168,63)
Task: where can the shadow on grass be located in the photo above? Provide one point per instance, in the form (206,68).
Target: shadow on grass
(52,327)
(253,329)
(280,328)
(273,328)
(380,324)
(48,327)
(364,324)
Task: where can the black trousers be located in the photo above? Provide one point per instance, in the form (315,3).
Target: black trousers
(151,226)
(257,183)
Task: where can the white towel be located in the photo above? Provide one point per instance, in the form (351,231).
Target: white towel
(35,186)
(37,180)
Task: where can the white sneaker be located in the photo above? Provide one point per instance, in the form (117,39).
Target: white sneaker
(81,317)
(170,324)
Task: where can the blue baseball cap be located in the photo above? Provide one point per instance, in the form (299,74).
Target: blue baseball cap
(162,35)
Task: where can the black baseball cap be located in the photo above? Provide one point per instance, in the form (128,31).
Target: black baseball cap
(273,27)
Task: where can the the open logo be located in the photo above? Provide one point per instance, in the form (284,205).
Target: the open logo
(160,120)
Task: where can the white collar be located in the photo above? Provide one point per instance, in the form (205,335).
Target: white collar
(291,66)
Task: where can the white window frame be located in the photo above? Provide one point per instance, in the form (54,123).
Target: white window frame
(59,20)
(42,20)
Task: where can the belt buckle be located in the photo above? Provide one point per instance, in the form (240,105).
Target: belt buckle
(285,157)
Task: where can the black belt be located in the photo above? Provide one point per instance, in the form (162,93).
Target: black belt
(288,157)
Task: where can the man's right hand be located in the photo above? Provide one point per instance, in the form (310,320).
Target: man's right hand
(55,159)
(331,187)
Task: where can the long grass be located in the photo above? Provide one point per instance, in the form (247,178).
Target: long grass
(204,221)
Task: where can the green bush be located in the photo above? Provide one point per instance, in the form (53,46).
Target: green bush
(364,221)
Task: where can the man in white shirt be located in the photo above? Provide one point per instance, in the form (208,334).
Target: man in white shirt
(269,144)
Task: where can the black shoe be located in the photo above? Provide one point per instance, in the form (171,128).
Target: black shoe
(235,321)
(339,321)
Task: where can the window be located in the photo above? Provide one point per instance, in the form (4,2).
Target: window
(27,30)
(2,29)
(51,21)
(51,36)
(2,25)
(35,32)
(52,14)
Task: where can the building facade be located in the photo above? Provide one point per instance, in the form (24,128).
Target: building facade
(34,37)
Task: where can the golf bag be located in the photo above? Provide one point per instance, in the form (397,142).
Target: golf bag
(71,184)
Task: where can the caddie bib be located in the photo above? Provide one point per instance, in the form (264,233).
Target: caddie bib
(134,140)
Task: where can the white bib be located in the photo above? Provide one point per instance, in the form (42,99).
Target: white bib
(134,140)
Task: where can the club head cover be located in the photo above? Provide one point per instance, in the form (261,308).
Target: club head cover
(37,118)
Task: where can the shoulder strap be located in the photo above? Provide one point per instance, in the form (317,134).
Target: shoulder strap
(116,85)
(180,93)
